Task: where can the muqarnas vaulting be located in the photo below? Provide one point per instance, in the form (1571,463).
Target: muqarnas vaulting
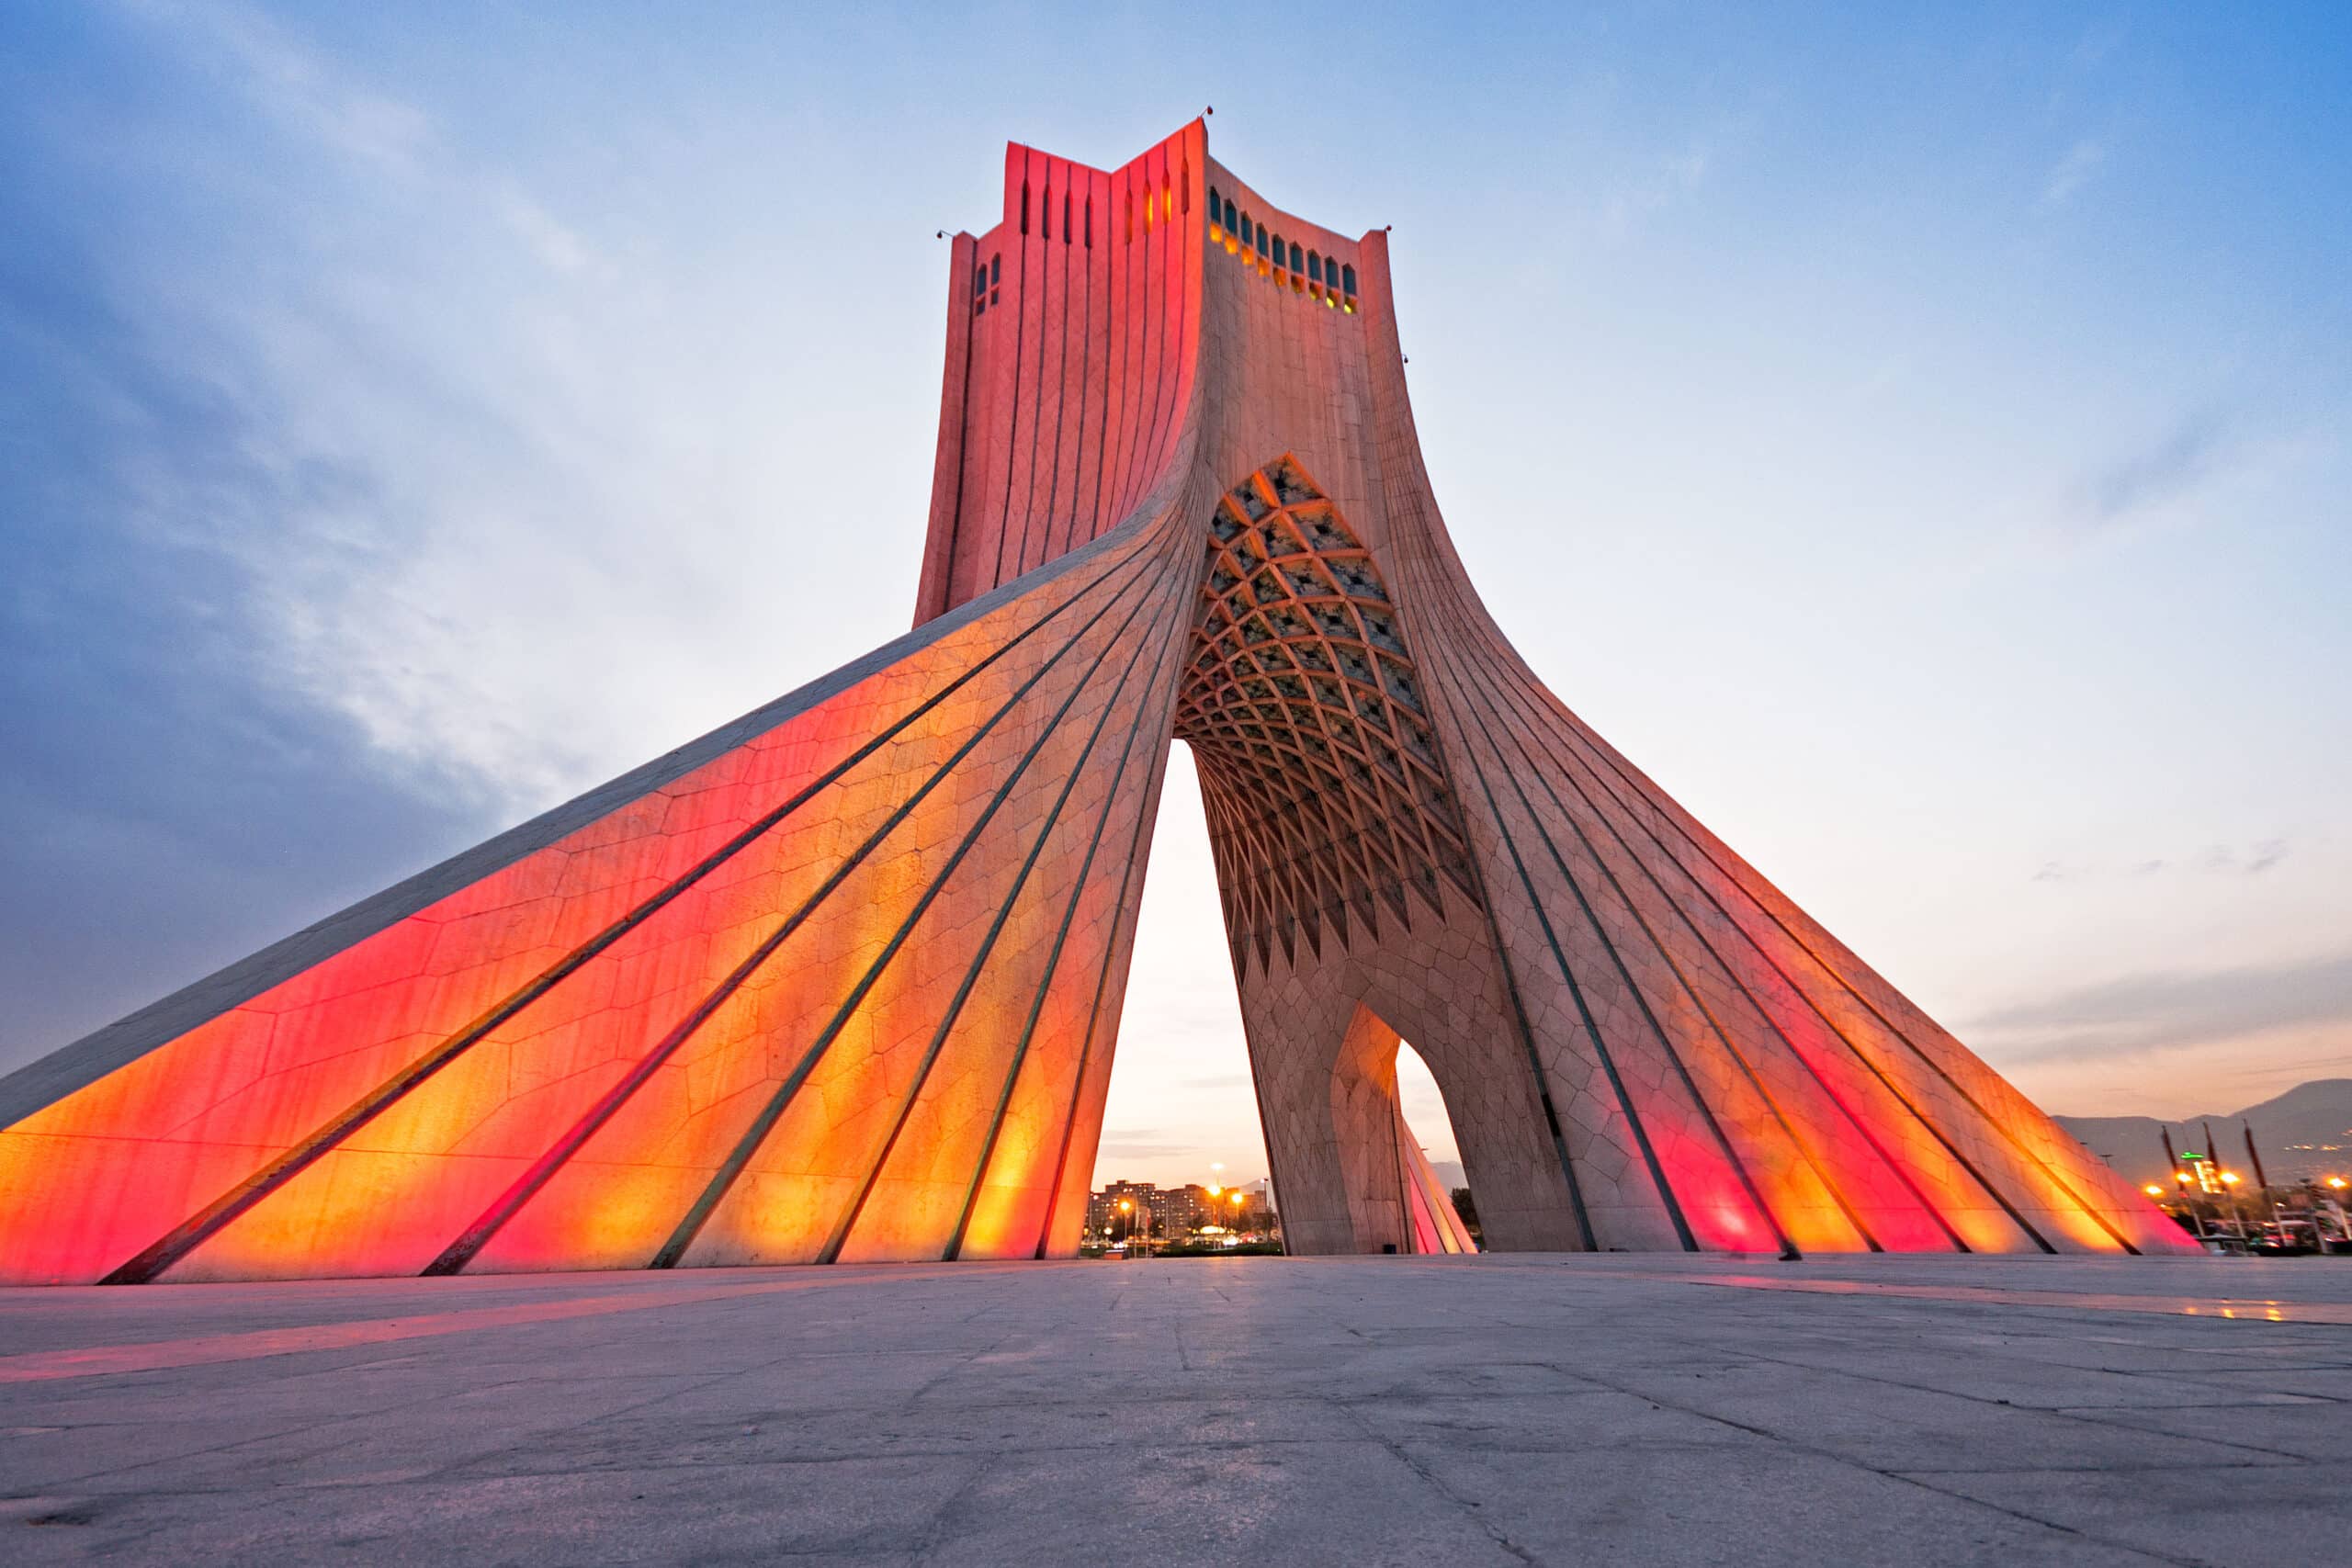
(842,980)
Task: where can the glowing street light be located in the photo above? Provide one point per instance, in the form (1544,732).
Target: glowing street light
(2229,1178)
(2337,1182)
(2153,1190)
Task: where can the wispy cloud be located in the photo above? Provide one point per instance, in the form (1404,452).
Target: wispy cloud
(1143,1143)
(2157,474)
(464,438)
(2251,862)
(2142,1012)
(2073,172)
(380,133)
(2222,860)
(365,505)
(554,242)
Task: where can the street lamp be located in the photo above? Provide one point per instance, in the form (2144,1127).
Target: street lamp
(2153,1190)
(2229,1180)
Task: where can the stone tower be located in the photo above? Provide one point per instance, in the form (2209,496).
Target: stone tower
(842,980)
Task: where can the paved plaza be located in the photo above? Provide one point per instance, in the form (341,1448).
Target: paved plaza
(1502,1410)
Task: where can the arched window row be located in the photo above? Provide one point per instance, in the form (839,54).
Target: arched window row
(987,283)
(1307,271)
(1163,205)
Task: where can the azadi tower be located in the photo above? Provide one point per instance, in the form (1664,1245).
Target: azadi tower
(842,981)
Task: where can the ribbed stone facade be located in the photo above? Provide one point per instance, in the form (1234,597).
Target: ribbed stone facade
(844,980)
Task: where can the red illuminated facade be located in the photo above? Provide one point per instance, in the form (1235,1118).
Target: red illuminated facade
(842,980)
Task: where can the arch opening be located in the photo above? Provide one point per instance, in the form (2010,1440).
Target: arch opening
(1333,834)
(1427,1127)
(1181,1110)
(1366,1171)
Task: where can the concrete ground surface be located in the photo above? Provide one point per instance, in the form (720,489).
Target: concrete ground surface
(1488,1410)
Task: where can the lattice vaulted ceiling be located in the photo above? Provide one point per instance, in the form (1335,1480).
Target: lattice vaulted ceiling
(1326,797)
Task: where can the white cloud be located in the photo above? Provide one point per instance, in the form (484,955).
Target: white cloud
(2073,172)
(519,512)
(295,85)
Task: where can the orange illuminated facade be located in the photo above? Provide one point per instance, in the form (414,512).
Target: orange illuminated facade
(842,980)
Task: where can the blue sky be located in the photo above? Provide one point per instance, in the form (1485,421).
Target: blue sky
(1924,445)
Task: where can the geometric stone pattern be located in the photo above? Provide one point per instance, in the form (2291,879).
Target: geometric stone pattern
(1325,791)
(842,981)
(1394,1196)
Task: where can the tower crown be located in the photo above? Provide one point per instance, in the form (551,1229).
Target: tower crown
(1114,326)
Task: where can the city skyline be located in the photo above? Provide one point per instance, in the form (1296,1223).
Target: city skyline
(2100,850)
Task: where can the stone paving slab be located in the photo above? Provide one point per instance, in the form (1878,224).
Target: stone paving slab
(1530,1408)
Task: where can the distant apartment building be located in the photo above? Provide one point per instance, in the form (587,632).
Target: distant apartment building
(1254,1213)
(1179,1210)
(1103,1211)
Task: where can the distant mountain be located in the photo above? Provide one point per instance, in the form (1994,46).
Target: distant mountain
(2305,1132)
(1448,1172)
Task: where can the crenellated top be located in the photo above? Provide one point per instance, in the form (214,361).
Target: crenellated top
(1110,333)
(1072,338)
(1063,204)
